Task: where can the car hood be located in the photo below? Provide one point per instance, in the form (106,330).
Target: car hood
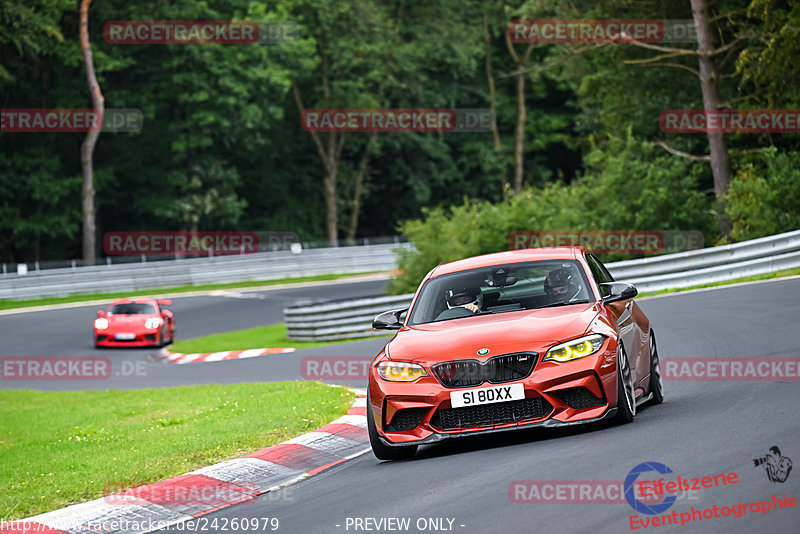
(128,321)
(527,330)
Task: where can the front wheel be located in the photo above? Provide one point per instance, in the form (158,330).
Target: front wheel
(626,395)
(381,451)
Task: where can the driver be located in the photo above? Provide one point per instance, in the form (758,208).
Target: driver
(560,285)
(470,298)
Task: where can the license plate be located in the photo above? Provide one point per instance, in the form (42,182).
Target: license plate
(473,397)
(125,337)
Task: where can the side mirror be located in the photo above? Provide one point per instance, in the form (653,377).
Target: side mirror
(101,313)
(389,320)
(618,291)
(164,314)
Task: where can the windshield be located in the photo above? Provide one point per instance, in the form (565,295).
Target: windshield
(500,289)
(133,308)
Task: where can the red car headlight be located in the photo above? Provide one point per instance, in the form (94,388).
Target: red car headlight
(401,371)
(101,324)
(577,348)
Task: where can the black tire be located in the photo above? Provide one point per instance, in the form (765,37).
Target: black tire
(381,451)
(626,395)
(656,382)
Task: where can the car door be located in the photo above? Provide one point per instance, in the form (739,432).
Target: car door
(631,324)
(622,311)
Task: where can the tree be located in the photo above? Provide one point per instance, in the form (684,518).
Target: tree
(87,148)
(709,85)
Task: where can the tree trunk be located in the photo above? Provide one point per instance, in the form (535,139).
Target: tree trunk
(87,148)
(709,84)
(490,80)
(330,163)
(362,170)
(519,137)
(522,112)
(331,200)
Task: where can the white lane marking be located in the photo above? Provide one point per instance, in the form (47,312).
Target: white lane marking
(354,420)
(187,358)
(325,442)
(175,356)
(255,470)
(216,356)
(251,353)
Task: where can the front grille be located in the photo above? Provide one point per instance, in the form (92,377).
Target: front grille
(491,414)
(579,398)
(101,337)
(150,337)
(407,419)
(467,373)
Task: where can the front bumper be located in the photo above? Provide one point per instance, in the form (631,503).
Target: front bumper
(141,339)
(548,423)
(556,394)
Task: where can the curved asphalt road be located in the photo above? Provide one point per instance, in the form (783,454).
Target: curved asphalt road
(702,429)
(68,332)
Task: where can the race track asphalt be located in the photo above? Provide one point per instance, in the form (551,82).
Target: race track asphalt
(68,332)
(702,429)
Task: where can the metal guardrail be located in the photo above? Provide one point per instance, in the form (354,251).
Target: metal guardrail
(353,318)
(708,265)
(340,319)
(197,271)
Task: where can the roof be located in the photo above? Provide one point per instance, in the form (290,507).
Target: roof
(511,256)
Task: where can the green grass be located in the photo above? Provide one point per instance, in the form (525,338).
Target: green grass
(754,278)
(13,304)
(63,448)
(260,337)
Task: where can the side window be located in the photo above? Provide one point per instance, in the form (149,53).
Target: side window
(605,271)
(599,273)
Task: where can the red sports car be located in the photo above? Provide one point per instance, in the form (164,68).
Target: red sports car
(535,337)
(138,322)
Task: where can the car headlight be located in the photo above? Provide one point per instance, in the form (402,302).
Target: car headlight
(577,348)
(401,371)
(101,324)
(152,323)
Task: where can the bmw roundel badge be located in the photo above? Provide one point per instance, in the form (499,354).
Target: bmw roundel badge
(483,352)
